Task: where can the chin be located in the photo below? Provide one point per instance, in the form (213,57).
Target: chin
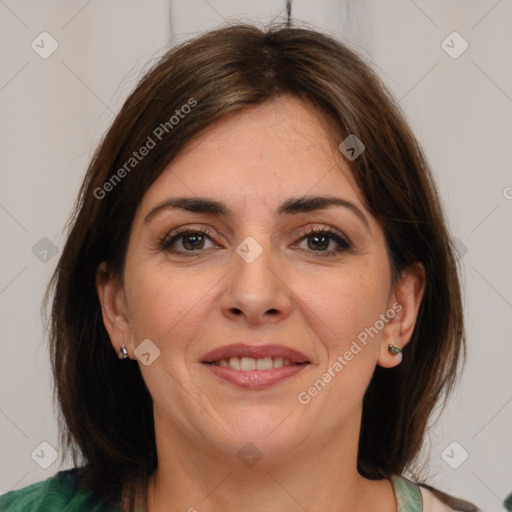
(271,436)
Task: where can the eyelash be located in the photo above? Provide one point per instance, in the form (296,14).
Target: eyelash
(344,245)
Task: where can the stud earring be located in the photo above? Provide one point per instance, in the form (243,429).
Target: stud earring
(123,353)
(395,351)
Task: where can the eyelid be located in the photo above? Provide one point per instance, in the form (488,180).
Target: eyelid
(325,228)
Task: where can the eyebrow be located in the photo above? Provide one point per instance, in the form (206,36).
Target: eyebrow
(292,206)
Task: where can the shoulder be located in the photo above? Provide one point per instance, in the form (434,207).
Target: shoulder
(431,503)
(413,497)
(58,492)
(433,497)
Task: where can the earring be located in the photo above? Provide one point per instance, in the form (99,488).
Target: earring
(395,351)
(123,353)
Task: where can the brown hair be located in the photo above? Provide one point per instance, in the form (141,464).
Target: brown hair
(106,408)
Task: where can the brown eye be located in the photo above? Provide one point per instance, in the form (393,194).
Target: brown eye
(320,240)
(185,241)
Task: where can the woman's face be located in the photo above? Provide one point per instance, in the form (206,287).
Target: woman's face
(257,277)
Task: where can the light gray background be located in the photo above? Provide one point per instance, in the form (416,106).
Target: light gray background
(53,112)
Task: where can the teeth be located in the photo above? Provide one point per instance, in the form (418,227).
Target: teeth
(278,362)
(234,362)
(246,364)
(264,364)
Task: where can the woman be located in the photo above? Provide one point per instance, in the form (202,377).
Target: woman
(259,241)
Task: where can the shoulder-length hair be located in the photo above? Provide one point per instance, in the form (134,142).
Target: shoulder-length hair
(106,409)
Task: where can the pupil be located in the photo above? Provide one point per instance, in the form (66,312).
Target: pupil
(320,246)
(187,239)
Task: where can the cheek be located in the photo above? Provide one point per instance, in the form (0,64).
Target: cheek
(348,304)
(158,303)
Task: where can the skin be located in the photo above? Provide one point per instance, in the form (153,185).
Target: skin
(291,294)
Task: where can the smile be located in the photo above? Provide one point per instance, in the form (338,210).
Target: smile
(255,366)
(246,364)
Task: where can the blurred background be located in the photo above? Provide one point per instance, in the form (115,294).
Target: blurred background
(66,67)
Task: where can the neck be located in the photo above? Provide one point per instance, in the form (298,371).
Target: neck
(194,477)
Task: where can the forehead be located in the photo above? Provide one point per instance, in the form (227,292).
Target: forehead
(256,158)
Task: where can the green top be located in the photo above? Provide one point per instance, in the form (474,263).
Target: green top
(58,493)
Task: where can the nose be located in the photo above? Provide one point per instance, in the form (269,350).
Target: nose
(256,290)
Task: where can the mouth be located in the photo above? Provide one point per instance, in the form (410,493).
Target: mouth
(247,364)
(255,367)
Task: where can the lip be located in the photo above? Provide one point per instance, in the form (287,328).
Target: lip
(255,379)
(255,351)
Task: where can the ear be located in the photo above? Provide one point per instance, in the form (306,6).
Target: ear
(113,308)
(402,312)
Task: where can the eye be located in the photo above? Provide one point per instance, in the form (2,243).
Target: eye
(321,239)
(190,240)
